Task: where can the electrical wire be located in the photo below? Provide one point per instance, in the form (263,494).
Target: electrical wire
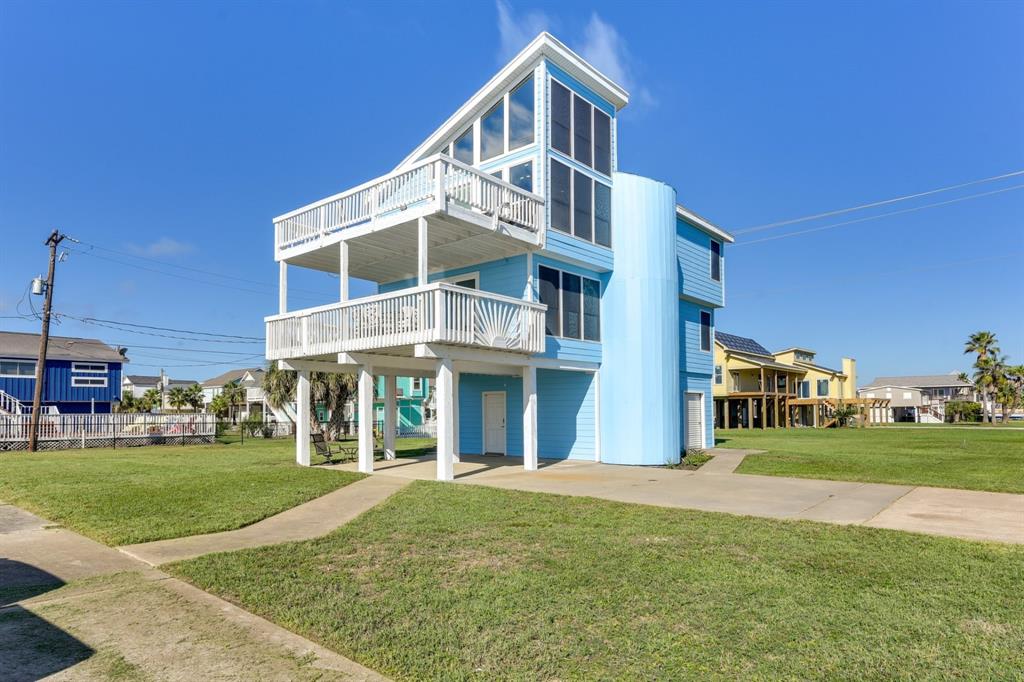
(768,226)
(876,217)
(93,321)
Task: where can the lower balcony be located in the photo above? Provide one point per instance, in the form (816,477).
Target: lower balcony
(436,313)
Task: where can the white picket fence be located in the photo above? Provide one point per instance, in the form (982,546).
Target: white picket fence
(64,431)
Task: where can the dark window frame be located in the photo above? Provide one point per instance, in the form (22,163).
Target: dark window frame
(716,260)
(559,299)
(570,150)
(556,135)
(705,331)
(570,228)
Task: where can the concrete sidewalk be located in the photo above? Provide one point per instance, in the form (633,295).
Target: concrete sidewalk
(306,521)
(71,608)
(954,513)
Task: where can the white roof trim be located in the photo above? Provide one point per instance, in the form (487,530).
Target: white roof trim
(690,216)
(544,45)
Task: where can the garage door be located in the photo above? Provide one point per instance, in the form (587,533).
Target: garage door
(694,421)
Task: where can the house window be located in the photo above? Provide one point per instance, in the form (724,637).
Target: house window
(735,380)
(906,395)
(574,304)
(417,385)
(561,197)
(602,142)
(718,375)
(582,138)
(463,148)
(88,382)
(822,387)
(521,176)
(520,115)
(492,132)
(94,367)
(716,261)
(805,389)
(561,114)
(705,330)
(579,205)
(17,368)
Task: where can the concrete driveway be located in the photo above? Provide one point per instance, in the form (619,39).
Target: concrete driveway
(954,513)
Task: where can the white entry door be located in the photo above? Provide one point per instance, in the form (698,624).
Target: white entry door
(494,423)
(694,421)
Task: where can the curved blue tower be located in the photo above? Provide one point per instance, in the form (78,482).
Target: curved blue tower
(640,414)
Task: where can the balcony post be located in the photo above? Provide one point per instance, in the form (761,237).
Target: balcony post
(302,419)
(282,287)
(439,193)
(530,418)
(390,408)
(343,271)
(366,419)
(445,421)
(421,253)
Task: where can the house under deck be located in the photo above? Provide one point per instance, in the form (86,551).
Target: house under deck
(437,215)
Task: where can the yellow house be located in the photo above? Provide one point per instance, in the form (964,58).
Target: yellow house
(756,388)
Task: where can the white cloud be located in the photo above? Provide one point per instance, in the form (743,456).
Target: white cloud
(603,47)
(165,246)
(516,32)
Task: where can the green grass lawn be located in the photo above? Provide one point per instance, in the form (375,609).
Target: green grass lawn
(464,582)
(990,459)
(133,495)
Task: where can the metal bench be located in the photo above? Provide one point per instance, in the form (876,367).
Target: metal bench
(327,451)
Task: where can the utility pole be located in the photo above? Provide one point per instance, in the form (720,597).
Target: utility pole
(37,397)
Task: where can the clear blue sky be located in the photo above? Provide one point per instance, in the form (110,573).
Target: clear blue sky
(176,131)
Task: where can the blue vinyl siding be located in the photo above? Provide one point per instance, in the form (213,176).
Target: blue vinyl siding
(691,358)
(57,388)
(565,414)
(506,276)
(693,254)
(579,251)
(471,412)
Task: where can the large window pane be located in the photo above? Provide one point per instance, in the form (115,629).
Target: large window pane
(522,176)
(520,115)
(591,310)
(602,214)
(602,142)
(464,146)
(581,129)
(583,226)
(549,287)
(571,305)
(492,132)
(560,178)
(716,261)
(560,118)
(705,331)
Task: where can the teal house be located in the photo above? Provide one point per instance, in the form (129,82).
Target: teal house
(551,304)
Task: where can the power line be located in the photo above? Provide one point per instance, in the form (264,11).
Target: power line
(184,267)
(187,350)
(876,217)
(169,329)
(116,326)
(768,226)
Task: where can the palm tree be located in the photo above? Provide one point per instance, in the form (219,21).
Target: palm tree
(150,399)
(194,397)
(219,405)
(329,389)
(983,344)
(234,395)
(129,403)
(177,397)
(962,376)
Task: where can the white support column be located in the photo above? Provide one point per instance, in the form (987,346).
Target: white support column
(343,271)
(366,419)
(445,421)
(455,414)
(530,418)
(421,253)
(390,408)
(282,287)
(302,419)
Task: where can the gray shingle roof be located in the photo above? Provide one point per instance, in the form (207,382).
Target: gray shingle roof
(920,381)
(232,375)
(741,343)
(26,345)
(141,379)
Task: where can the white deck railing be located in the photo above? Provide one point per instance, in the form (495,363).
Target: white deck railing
(439,179)
(435,313)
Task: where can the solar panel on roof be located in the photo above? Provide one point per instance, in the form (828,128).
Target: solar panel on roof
(741,343)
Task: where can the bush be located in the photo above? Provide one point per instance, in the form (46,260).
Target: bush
(963,411)
(692,459)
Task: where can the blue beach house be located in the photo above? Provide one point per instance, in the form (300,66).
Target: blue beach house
(81,376)
(561,308)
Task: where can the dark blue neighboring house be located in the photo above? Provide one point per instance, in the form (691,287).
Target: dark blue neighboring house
(82,375)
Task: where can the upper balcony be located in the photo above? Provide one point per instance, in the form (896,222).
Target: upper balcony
(379,221)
